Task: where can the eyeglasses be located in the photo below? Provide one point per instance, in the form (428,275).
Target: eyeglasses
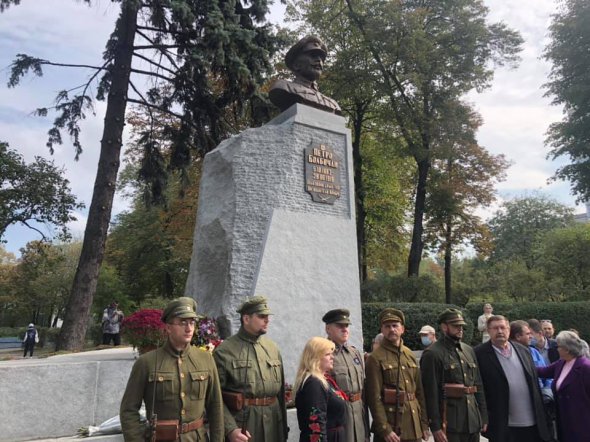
(185,322)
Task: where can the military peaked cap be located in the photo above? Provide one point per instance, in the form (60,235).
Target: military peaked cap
(451,316)
(391,314)
(337,316)
(256,304)
(180,308)
(306,44)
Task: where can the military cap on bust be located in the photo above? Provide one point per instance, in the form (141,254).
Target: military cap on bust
(256,304)
(306,44)
(337,316)
(180,308)
(451,316)
(391,314)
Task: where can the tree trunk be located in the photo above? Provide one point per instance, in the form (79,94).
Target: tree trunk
(448,261)
(99,215)
(359,193)
(418,228)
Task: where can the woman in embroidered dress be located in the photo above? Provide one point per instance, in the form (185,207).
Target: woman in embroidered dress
(321,406)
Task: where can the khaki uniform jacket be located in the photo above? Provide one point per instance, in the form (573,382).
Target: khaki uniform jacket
(449,362)
(384,367)
(253,366)
(186,386)
(349,374)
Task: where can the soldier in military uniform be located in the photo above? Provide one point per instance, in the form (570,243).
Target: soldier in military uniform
(349,373)
(455,399)
(252,379)
(178,383)
(394,390)
(306,60)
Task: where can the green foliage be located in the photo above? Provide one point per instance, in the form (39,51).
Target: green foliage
(416,315)
(34,192)
(569,85)
(519,224)
(564,260)
(563,315)
(401,288)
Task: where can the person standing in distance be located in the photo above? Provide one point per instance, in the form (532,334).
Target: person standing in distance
(482,322)
(427,336)
(252,379)
(31,338)
(349,373)
(455,400)
(394,390)
(178,383)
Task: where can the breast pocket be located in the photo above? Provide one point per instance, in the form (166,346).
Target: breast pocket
(242,371)
(199,384)
(390,374)
(275,366)
(453,373)
(165,385)
(343,379)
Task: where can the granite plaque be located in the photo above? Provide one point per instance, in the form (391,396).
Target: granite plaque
(322,178)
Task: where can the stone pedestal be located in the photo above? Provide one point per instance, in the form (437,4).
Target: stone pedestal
(259,231)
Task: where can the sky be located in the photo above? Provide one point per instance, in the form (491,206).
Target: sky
(516,114)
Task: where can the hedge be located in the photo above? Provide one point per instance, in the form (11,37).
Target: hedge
(416,314)
(563,315)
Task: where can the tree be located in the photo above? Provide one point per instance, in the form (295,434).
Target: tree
(564,259)
(429,53)
(211,56)
(34,192)
(569,85)
(462,180)
(520,222)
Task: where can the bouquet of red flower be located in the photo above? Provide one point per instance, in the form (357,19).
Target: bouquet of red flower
(206,335)
(144,329)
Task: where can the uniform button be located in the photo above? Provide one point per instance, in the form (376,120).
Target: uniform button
(407,381)
(181,375)
(182,394)
(179,361)
(160,378)
(462,361)
(202,377)
(413,411)
(391,409)
(390,366)
(183,412)
(468,401)
(403,368)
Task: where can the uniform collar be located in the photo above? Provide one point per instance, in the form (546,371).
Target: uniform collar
(450,342)
(175,353)
(310,84)
(243,334)
(342,347)
(388,345)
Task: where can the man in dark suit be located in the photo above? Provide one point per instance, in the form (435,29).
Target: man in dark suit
(511,385)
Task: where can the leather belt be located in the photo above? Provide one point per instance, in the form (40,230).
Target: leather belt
(264,401)
(353,397)
(458,391)
(192,426)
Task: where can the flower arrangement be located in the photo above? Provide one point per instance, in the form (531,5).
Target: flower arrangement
(144,329)
(206,334)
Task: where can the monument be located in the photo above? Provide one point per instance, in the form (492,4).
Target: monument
(276,216)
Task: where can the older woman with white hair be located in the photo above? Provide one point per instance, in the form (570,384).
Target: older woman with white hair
(571,387)
(321,405)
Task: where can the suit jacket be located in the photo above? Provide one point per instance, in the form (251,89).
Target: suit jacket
(572,398)
(497,391)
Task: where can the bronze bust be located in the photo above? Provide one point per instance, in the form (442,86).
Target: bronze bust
(306,60)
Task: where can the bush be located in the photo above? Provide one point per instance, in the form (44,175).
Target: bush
(563,315)
(416,314)
(401,288)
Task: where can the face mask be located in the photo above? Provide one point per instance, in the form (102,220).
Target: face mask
(533,341)
(426,341)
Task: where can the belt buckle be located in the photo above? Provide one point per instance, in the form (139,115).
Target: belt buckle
(184,428)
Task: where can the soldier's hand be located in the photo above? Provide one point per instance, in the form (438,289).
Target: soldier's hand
(426,435)
(484,428)
(237,436)
(439,436)
(392,437)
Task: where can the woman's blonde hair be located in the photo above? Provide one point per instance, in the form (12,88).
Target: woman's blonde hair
(309,365)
